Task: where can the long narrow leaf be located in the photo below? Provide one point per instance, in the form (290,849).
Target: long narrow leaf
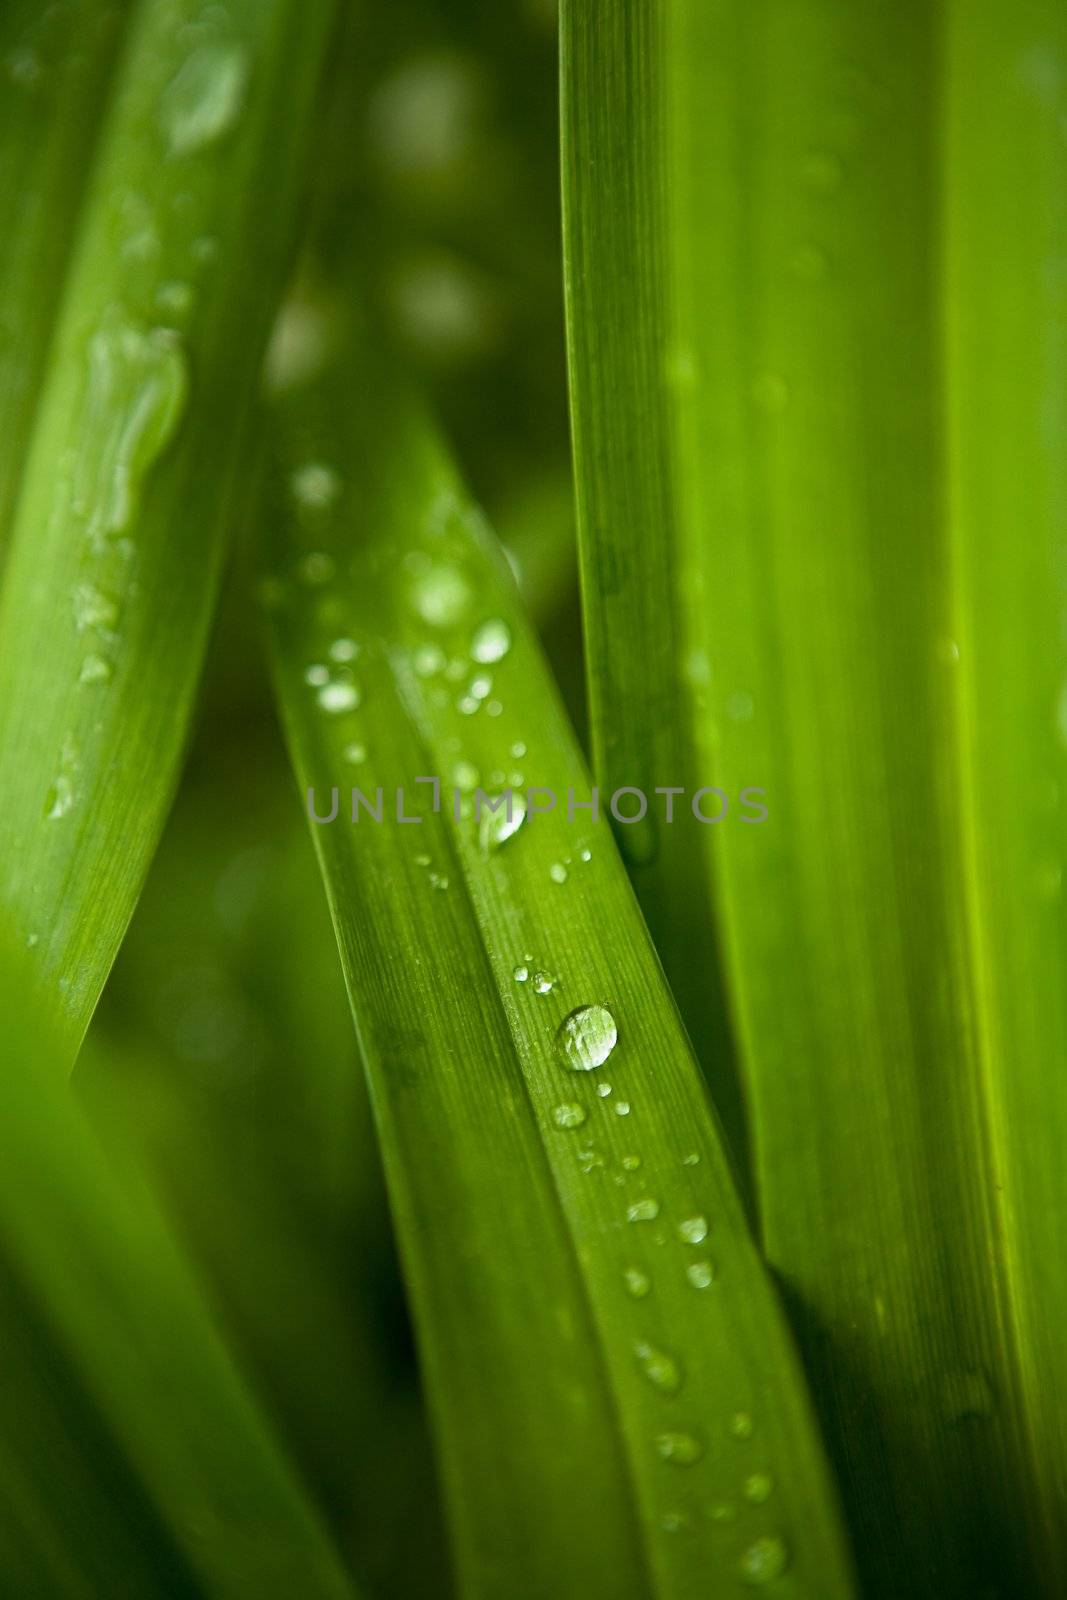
(96,1298)
(118,538)
(1006,301)
(814,656)
(617,1406)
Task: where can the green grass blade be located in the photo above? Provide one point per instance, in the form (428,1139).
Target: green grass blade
(1006,299)
(585,1345)
(621,368)
(118,538)
(57,61)
(814,655)
(107,1329)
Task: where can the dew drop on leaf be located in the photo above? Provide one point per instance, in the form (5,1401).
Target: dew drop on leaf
(497,826)
(662,1370)
(638,1284)
(568,1116)
(681,1449)
(204,99)
(587,1037)
(694,1230)
(643,1211)
(491,642)
(763,1561)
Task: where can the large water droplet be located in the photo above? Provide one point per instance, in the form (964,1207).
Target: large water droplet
(570,1115)
(643,1211)
(587,1037)
(338,696)
(701,1274)
(694,1230)
(441,595)
(661,1369)
(763,1561)
(492,641)
(204,99)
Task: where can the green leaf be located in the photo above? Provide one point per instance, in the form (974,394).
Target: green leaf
(1006,302)
(621,368)
(134,460)
(135,1455)
(617,1405)
(796,314)
(58,60)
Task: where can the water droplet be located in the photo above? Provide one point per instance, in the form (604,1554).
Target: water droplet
(428,660)
(643,1211)
(355,753)
(557,872)
(465,776)
(338,696)
(543,983)
(136,394)
(757,1488)
(638,1283)
(95,669)
(586,855)
(316,675)
(622,1108)
(480,687)
(764,1561)
(682,1449)
(344,650)
(175,298)
(692,1160)
(204,99)
(603,1090)
(661,1369)
(694,1230)
(518,749)
(568,1116)
(92,609)
(521,974)
(491,642)
(701,1274)
(315,486)
(60,798)
(741,1425)
(467,705)
(495,828)
(631,1163)
(441,595)
(948,651)
(587,1037)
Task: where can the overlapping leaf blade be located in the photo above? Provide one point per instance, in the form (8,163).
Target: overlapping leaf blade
(595,1327)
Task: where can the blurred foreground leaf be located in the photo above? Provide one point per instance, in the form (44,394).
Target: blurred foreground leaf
(117,544)
(133,1458)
